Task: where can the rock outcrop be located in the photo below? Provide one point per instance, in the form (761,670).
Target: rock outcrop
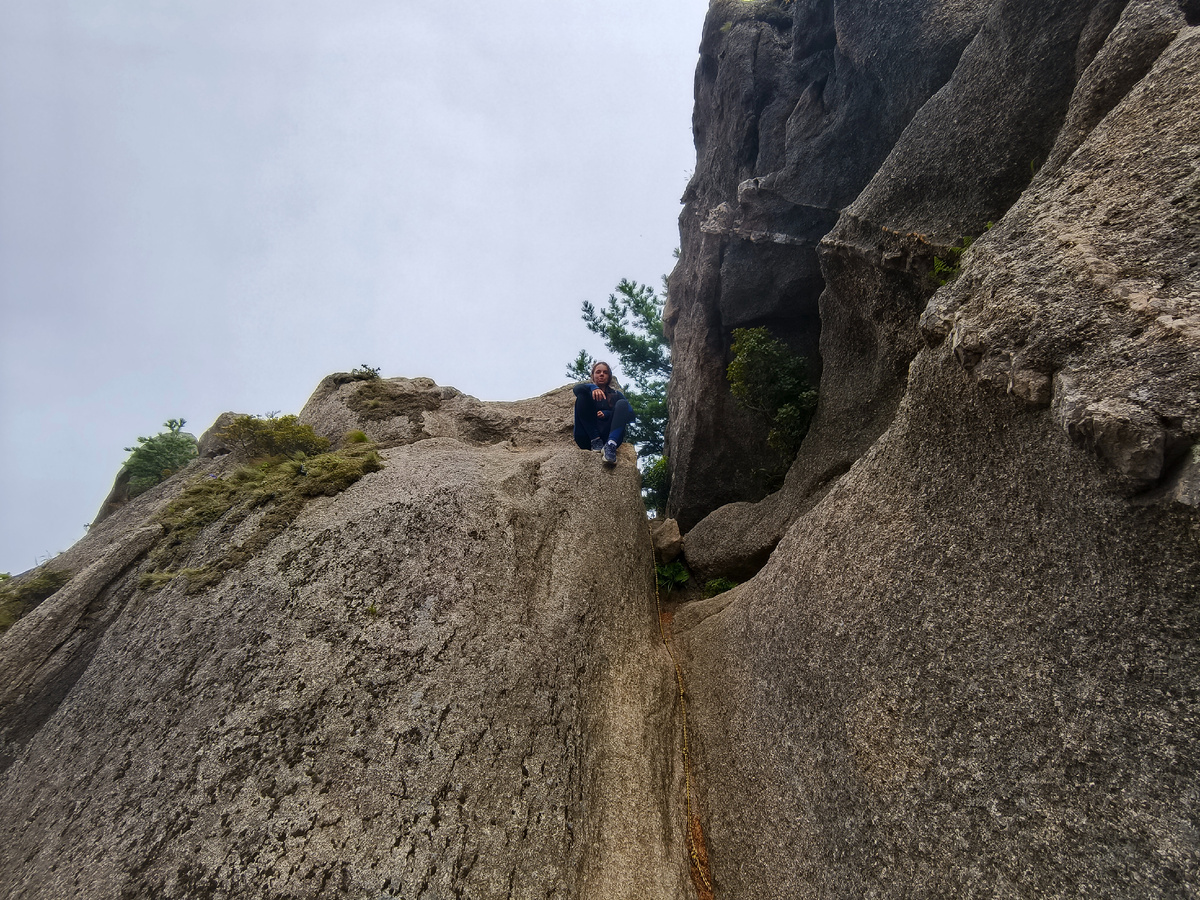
(1026,92)
(445,680)
(393,411)
(797,106)
(969,671)
(968,667)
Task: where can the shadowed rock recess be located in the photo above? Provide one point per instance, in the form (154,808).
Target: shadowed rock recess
(444,681)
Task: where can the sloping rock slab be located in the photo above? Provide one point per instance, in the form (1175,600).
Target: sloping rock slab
(444,681)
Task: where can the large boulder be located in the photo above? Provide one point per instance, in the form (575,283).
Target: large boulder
(969,667)
(444,680)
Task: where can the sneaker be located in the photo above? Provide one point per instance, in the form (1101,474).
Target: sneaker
(597,443)
(610,453)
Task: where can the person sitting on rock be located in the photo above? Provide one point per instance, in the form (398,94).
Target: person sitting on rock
(601,413)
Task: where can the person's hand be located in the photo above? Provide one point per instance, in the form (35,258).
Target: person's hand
(597,394)
(599,414)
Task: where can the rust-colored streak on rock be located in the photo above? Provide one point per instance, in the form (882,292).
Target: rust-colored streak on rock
(697,849)
(698,859)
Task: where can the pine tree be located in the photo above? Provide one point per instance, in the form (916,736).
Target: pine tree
(631,326)
(157,458)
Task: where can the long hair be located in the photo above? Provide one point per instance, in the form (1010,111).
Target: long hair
(612,378)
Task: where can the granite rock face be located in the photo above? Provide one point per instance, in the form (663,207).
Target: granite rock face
(797,106)
(964,673)
(969,667)
(1026,92)
(446,680)
(965,662)
(394,411)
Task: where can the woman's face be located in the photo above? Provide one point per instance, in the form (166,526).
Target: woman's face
(601,376)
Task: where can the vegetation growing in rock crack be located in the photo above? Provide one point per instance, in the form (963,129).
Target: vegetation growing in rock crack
(715,586)
(671,575)
(275,488)
(767,377)
(17,597)
(947,267)
(157,458)
(631,325)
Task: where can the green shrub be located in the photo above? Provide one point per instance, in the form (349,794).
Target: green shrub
(356,437)
(365,372)
(157,458)
(17,599)
(716,586)
(671,575)
(273,436)
(946,268)
(765,376)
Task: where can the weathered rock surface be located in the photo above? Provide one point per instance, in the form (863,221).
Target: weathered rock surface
(668,543)
(392,411)
(969,668)
(969,665)
(213,443)
(962,674)
(444,681)
(797,106)
(956,163)
(117,497)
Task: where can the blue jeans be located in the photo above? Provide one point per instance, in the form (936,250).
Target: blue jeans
(608,426)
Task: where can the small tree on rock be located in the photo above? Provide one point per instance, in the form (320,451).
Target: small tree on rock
(580,368)
(157,458)
(273,436)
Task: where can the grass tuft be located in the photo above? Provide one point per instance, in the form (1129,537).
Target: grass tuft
(716,586)
(278,487)
(379,400)
(17,599)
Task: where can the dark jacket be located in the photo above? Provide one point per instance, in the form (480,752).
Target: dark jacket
(608,404)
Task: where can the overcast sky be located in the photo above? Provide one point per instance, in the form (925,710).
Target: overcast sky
(208,205)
